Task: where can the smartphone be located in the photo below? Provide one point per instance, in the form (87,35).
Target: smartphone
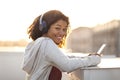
(101,49)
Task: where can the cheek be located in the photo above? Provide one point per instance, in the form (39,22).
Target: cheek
(50,33)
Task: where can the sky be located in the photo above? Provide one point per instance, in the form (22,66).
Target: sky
(17,15)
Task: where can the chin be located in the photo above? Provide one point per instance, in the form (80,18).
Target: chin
(57,42)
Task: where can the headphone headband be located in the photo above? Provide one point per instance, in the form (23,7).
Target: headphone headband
(41,18)
(42,23)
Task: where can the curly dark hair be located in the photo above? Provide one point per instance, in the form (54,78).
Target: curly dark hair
(50,18)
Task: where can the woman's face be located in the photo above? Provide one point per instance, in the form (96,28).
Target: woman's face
(57,31)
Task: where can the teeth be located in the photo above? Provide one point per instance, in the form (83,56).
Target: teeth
(59,37)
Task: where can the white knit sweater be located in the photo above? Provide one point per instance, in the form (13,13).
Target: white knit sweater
(41,54)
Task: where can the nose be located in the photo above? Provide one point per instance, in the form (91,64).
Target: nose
(62,32)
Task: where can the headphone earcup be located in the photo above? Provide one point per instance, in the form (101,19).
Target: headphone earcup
(44,25)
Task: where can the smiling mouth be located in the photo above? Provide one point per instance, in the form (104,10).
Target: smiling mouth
(58,39)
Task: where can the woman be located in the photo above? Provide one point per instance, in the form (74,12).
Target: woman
(43,58)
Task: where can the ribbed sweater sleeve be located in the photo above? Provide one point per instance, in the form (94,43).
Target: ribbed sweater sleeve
(55,56)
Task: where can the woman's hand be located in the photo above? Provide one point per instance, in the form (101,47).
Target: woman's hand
(95,54)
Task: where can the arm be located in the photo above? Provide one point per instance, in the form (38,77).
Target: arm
(55,56)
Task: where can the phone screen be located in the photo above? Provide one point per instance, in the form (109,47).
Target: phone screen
(101,49)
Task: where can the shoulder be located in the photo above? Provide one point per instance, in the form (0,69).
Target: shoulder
(43,38)
(45,41)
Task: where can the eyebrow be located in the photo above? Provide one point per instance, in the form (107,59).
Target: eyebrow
(60,25)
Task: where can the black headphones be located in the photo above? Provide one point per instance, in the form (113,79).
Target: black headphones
(42,25)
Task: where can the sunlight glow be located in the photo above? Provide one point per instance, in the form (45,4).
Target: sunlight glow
(17,15)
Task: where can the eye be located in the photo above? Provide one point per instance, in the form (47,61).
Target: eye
(57,28)
(65,30)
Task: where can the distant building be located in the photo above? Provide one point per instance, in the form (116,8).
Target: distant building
(80,40)
(108,33)
(84,39)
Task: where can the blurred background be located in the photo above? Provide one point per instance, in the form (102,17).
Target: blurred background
(93,22)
